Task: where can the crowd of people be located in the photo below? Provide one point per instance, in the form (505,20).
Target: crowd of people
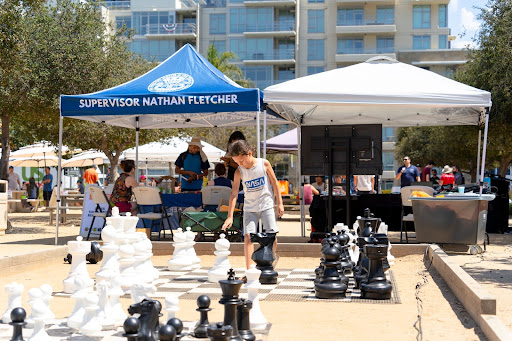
(408,174)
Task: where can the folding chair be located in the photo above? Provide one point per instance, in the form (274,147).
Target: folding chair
(215,196)
(151,196)
(405,193)
(99,198)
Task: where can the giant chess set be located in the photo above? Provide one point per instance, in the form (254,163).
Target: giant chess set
(354,267)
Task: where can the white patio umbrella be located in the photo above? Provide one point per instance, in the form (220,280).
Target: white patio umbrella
(85,159)
(37,150)
(51,161)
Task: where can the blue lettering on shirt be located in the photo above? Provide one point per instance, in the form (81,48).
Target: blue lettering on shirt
(255,184)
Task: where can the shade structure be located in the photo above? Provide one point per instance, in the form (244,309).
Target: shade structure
(37,150)
(283,143)
(85,159)
(378,91)
(184,91)
(169,150)
(50,161)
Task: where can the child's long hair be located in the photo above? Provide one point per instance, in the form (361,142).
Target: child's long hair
(240,147)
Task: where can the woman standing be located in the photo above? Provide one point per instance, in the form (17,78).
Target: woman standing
(122,192)
(193,166)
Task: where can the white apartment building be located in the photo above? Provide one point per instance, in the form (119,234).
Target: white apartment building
(278,40)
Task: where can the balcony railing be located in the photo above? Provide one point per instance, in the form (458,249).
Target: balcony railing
(113,5)
(277,54)
(288,25)
(382,50)
(168,29)
(365,22)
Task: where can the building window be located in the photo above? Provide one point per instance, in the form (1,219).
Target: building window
(158,50)
(388,134)
(315,1)
(120,21)
(387,161)
(316,49)
(421,42)
(350,46)
(217,23)
(385,45)
(260,75)
(316,21)
(285,74)
(421,16)
(443,41)
(315,69)
(151,22)
(443,16)
(258,19)
(386,15)
(252,49)
(220,45)
(350,16)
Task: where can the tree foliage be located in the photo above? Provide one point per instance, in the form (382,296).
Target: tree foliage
(222,61)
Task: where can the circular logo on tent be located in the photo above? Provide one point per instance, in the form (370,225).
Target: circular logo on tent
(172,82)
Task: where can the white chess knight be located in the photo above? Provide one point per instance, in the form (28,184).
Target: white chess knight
(110,262)
(142,291)
(171,306)
(38,310)
(76,318)
(221,266)
(78,249)
(258,321)
(13,291)
(180,259)
(190,236)
(383,228)
(91,325)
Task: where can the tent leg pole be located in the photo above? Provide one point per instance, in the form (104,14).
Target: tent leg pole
(258,147)
(59,170)
(478,154)
(264,134)
(486,130)
(137,148)
(301,188)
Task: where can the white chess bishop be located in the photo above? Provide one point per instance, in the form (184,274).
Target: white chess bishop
(78,249)
(221,266)
(180,259)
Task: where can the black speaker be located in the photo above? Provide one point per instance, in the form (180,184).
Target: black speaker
(497,219)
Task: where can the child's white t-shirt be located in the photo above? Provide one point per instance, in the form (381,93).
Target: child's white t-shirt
(258,193)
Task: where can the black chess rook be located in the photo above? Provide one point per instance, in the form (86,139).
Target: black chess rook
(220,332)
(376,286)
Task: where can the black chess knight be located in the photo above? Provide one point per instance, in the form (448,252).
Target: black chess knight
(264,256)
(149,311)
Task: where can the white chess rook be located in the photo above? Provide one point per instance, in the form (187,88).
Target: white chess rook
(221,266)
(78,249)
(14,291)
(258,321)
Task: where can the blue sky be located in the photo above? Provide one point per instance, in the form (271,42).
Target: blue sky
(462,17)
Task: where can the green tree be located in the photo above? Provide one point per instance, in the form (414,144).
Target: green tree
(222,62)
(71,53)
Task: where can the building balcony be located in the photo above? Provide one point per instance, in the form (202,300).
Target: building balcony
(116,5)
(171,31)
(362,55)
(273,3)
(363,27)
(275,57)
(276,29)
(366,1)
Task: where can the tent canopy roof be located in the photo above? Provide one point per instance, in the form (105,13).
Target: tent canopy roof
(283,143)
(378,91)
(184,91)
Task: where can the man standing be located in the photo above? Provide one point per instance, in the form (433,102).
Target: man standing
(425,173)
(47,186)
(91,175)
(14,179)
(459,178)
(364,184)
(407,173)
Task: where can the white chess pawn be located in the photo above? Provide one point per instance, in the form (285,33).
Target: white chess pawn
(78,249)
(196,261)
(110,262)
(104,314)
(47,291)
(142,291)
(91,325)
(180,259)
(117,311)
(38,312)
(221,266)
(14,291)
(76,318)
(258,321)
(171,306)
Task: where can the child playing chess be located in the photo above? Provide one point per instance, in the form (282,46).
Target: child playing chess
(260,186)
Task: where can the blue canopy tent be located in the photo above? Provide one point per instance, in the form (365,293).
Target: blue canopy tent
(184,91)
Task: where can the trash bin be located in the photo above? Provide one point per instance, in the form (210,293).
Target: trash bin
(454,219)
(3,206)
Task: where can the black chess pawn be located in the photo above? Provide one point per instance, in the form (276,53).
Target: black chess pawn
(18,316)
(178,326)
(244,322)
(264,256)
(230,299)
(220,332)
(376,286)
(345,262)
(167,333)
(131,328)
(330,285)
(203,303)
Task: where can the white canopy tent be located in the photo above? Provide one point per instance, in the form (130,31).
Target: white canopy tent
(379,91)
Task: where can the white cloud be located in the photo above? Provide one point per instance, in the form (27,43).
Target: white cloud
(459,44)
(454,5)
(468,20)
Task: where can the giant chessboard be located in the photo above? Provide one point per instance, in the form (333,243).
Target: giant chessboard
(293,285)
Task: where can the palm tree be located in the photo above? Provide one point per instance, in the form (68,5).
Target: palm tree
(222,62)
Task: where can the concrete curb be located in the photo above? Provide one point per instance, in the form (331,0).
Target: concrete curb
(477,301)
(28,260)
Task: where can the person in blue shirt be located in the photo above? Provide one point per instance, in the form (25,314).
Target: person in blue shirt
(220,180)
(193,166)
(407,173)
(47,186)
